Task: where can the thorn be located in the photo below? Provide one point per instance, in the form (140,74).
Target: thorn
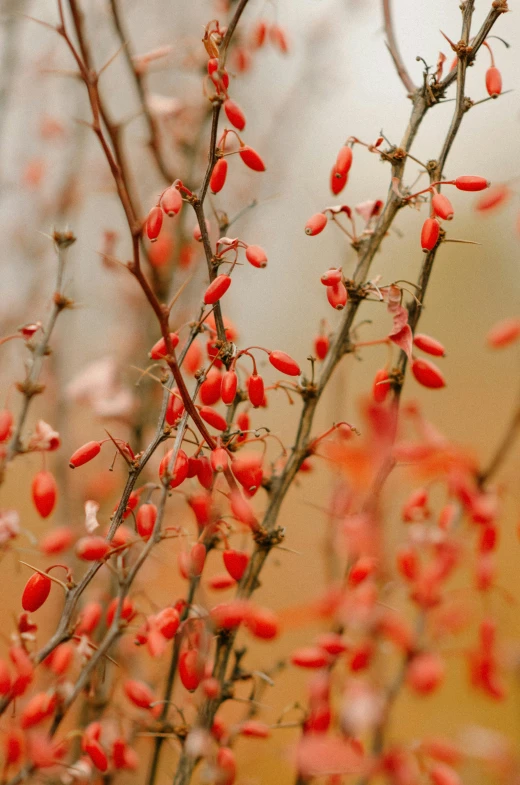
(179,292)
(111,59)
(60,72)
(116,445)
(453,46)
(40,22)
(464,242)
(41,572)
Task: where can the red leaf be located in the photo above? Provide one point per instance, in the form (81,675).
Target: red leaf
(403,339)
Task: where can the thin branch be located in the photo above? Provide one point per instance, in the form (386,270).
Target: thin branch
(31,387)
(140,83)
(504,447)
(391,43)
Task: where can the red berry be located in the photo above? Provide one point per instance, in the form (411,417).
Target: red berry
(179,472)
(284,363)
(494,197)
(205,473)
(127,610)
(337,181)
(442,206)
(197,559)
(193,358)
(247,468)
(332,643)
(256,256)
(92,548)
(255,390)
(361,656)
(471,183)
(251,159)
(84,454)
(213,418)
(168,621)
(337,296)
(234,114)
(56,541)
(235,562)
(442,774)
(96,754)
(13,746)
(430,234)
(61,658)
(171,201)
(220,582)
(175,407)
(217,289)
(226,766)
(6,423)
(504,333)
(344,161)
(145,520)
(332,277)
(160,253)
(228,389)
(263,623)
(259,34)
(159,350)
(243,421)
(429,345)
(218,176)
(193,466)
(279,38)
(425,672)
(190,669)
(315,224)
(321,346)
(310,657)
(139,693)
(89,618)
(201,504)
(381,386)
(44,493)
(210,388)
(154,223)
(40,707)
(197,234)
(36,591)
(219,459)
(229,615)
(219,82)
(255,729)
(493,81)
(242,510)
(428,374)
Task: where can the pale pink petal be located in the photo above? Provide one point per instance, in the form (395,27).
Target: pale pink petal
(91,521)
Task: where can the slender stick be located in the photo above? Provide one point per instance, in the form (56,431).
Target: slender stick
(391,43)
(30,387)
(341,345)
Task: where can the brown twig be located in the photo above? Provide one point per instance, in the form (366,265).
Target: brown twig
(30,387)
(140,84)
(341,345)
(391,43)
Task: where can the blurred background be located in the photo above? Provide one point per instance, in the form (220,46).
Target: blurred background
(336,80)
